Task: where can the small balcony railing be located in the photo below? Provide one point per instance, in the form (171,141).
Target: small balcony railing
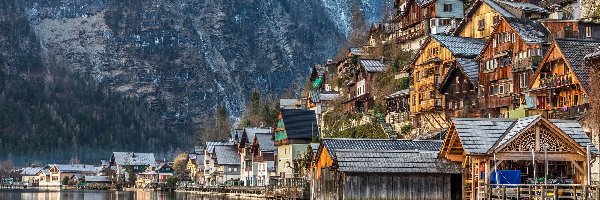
(525,63)
(556,81)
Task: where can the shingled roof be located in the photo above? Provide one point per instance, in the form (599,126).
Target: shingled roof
(333,144)
(574,51)
(226,155)
(530,31)
(265,141)
(461,46)
(376,161)
(372,66)
(471,11)
(525,7)
(211,145)
(251,132)
(595,54)
(482,135)
(300,123)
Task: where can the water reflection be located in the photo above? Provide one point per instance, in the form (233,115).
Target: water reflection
(55,194)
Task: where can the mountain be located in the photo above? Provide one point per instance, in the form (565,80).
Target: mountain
(150,69)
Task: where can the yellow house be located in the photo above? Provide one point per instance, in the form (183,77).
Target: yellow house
(561,87)
(437,55)
(192,167)
(480,19)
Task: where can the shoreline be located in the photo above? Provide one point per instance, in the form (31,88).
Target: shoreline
(228,195)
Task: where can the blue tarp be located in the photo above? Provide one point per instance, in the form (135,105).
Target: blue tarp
(506,177)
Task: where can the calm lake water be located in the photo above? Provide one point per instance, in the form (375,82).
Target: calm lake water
(45,194)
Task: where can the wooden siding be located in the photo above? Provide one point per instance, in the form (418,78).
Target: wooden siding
(338,185)
(460,96)
(506,77)
(324,161)
(427,76)
(571,29)
(557,82)
(471,29)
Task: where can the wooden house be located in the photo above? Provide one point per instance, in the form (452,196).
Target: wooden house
(561,84)
(360,83)
(459,88)
(510,57)
(321,93)
(518,150)
(248,171)
(481,18)
(398,109)
(294,131)
(576,29)
(384,169)
(420,18)
(429,67)
(263,153)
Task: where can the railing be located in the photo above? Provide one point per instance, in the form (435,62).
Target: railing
(568,112)
(415,31)
(525,63)
(543,191)
(556,81)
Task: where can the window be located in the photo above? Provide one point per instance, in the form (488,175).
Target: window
(445,22)
(481,24)
(447,7)
(501,89)
(588,31)
(523,80)
(496,19)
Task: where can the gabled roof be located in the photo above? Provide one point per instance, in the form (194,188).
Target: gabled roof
(265,142)
(461,46)
(211,145)
(530,31)
(356,51)
(400,93)
(483,135)
(300,123)
(334,144)
(574,52)
(525,7)
(227,155)
(466,66)
(593,55)
(97,179)
(393,161)
(250,132)
(469,13)
(75,168)
(133,158)
(372,66)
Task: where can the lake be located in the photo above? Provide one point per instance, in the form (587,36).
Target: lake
(55,194)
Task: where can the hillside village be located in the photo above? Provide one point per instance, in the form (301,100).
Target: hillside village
(446,99)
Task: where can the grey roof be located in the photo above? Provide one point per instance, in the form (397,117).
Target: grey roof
(389,161)
(574,52)
(356,51)
(30,171)
(575,131)
(461,46)
(482,135)
(290,103)
(526,7)
(372,66)
(329,96)
(75,168)
(594,54)
(529,30)
(314,146)
(333,144)
(227,155)
(300,123)
(250,132)
(478,135)
(470,67)
(211,145)
(97,179)
(400,93)
(133,158)
(265,142)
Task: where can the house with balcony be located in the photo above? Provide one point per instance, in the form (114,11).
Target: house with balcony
(263,158)
(248,170)
(481,19)
(359,85)
(560,87)
(420,18)
(154,176)
(575,29)
(294,131)
(510,57)
(435,58)
(459,88)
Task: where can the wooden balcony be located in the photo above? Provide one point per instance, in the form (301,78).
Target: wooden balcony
(572,112)
(556,82)
(413,32)
(543,191)
(525,63)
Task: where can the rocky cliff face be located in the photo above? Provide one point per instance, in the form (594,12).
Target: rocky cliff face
(185,57)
